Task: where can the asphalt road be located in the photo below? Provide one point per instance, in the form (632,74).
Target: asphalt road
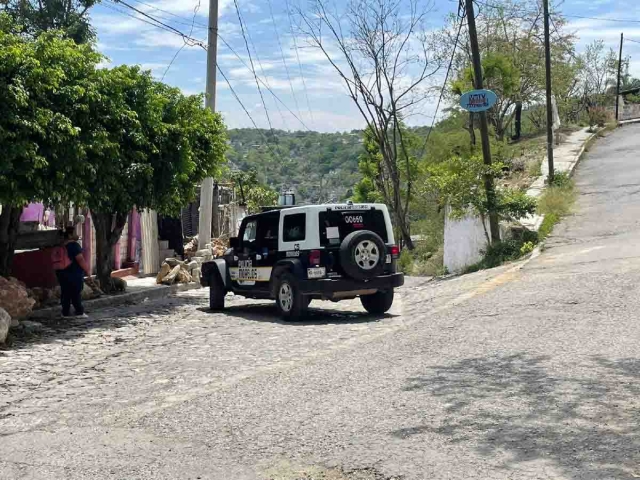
(529,371)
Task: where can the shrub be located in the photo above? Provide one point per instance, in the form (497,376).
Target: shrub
(526,248)
(405,262)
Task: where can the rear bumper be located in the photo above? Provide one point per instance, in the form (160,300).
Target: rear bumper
(329,286)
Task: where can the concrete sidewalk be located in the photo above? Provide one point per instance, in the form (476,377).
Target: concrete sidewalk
(138,289)
(565,158)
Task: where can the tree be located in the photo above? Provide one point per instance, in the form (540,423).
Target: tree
(385,58)
(68,16)
(42,85)
(147,146)
(252,192)
(459,183)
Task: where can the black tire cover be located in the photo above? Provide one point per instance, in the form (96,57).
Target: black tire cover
(347,255)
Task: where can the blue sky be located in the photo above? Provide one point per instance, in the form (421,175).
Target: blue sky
(127,40)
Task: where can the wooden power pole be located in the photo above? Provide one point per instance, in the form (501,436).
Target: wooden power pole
(547,64)
(494,226)
(619,74)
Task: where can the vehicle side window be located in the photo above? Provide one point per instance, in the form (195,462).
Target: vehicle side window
(294,227)
(249,236)
(268,231)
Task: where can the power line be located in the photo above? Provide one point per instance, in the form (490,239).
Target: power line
(196,42)
(195,12)
(284,61)
(446,79)
(634,41)
(173,30)
(255,75)
(295,47)
(237,55)
(153,7)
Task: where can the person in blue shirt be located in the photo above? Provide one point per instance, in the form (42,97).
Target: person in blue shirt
(71,279)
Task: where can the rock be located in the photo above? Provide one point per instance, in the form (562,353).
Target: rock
(192,265)
(171,277)
(5,323)
(196,273)
(119,284)
(172,262)
(14,298)
(165,269)
(203,253)
(87,292)
(183,276)
(31,326)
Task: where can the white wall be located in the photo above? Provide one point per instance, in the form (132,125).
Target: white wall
(464,241)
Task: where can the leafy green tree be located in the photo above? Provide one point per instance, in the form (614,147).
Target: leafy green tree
(68,16)
(147,146)
(459,183)
(43,84)
(252,192)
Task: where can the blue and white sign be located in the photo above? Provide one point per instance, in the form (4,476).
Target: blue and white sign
(478,100)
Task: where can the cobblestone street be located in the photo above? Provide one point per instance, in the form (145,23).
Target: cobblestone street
(527,371)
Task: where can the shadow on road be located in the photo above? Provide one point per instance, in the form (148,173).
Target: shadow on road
(585,425)
(268,312)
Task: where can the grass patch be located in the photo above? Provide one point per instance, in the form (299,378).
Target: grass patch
(422,263)
(556,202)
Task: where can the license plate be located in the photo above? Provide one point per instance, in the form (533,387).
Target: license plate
(388,260)
(318,272)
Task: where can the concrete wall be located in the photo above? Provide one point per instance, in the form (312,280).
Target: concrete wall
(464,241)
(630,112)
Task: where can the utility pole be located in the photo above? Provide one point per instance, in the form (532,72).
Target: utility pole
(206,190)
(619,73)
(547,64)
(494,227)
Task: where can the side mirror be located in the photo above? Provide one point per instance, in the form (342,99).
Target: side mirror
(234,243)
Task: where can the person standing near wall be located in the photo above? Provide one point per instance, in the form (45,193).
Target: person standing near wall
(70,267)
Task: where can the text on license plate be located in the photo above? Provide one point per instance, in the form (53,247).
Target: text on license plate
(318,272)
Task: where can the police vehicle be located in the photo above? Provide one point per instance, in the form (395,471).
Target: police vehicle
(317,252)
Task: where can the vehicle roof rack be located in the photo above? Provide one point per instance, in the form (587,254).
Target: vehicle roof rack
(278,207)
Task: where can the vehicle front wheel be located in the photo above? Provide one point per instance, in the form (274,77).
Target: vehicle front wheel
(216,293)
(292,305)
(378,303)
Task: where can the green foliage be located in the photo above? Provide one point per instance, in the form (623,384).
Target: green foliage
(320,166)
(561,179)
(405,262)
(252,192)
(44,84)
(557,200)
(35,17)
(550,220)
(459,183)
(147,144)
(598,116)
(527,248)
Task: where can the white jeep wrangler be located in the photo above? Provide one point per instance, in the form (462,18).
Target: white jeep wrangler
(298,254)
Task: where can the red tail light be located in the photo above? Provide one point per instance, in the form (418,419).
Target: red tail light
(314,257)
(395,251)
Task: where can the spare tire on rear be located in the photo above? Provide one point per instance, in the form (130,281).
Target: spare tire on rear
(362,255)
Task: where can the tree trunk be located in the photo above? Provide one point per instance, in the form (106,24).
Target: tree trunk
(9,226)
(518,121)
(108,231)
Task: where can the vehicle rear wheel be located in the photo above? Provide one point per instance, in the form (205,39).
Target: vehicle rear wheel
(291,304)
(378,303)
(362,255)
(216,292)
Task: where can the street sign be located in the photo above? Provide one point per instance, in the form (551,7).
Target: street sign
(478,100)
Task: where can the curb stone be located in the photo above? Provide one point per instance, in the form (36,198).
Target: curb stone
(151,293)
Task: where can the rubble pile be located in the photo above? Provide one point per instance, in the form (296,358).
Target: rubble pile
(14,298)
(215,249)
(174,271)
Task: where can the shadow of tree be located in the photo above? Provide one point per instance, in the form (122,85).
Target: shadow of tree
(584,421)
